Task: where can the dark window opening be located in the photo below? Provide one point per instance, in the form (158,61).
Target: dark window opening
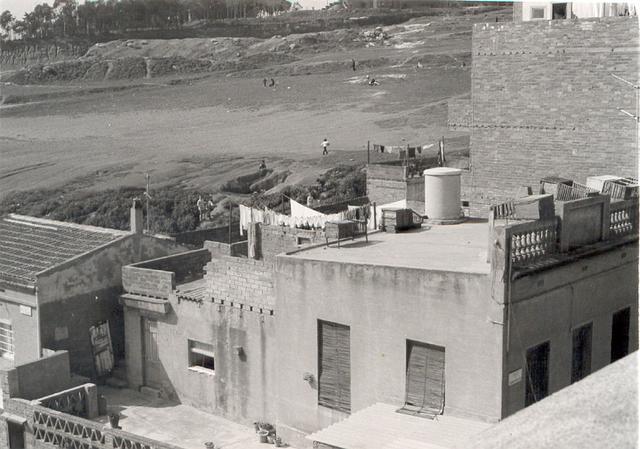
(16,435)
(425,378)
(581,358)
(201,355)
(537,373)
(559,11)
(537,13)
(334,366)
(620,334)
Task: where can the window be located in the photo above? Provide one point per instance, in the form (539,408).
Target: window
(425,378)
(537,375)
(559,11)
(537,13)
(7,348)
(151,341)
(620,334)
(334,366)
(581,357)
(201,356)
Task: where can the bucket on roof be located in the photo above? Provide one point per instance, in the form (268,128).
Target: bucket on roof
(442,195)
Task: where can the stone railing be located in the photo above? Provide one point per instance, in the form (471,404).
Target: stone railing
(574,192)
(66,431)
(79,401)
(623,218)
(532,241)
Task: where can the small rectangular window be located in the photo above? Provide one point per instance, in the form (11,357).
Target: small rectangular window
(581,359)
(537,376)
(537,13)
(7,348)
(620,334)
(201,356)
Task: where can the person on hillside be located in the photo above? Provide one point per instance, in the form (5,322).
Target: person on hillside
(262,166)
(264,82)
(200,206)
(272,83)
(325,147)
(210,207)
(353,64)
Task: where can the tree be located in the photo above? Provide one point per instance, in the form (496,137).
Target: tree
(6,21)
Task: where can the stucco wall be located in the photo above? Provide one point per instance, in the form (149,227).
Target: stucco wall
(548,305)
(84,291)
(25,326)
(385,306)
(243,387)
(544,103)
(43,377)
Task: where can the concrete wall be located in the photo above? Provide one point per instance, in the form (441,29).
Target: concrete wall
(84,292)
(43,377)
(20,309)
(544,103)
(218,234)
(243,387)
(549,304)
(275,240)
(385,306)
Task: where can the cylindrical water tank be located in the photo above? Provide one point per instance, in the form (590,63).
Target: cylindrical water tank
(442,195)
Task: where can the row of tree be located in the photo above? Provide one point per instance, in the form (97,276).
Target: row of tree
(68,18)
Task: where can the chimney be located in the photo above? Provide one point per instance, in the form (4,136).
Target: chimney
(137,224)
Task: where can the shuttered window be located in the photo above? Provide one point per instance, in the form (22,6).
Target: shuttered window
(581,357)
(334,366)
(425,378)
(537,381)
(7,348)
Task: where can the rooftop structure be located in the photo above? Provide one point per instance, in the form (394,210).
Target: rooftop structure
(30,245)
(459,248)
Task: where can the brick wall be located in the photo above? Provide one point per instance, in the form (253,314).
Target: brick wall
(544,103)
(239,280)
(459,113)
(279,239)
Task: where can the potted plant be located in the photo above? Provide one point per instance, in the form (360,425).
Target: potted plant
(209,445)
(114,420)
(278,442)
(262,435)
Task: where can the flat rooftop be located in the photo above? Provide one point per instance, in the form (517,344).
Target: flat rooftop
(457,248)
(178,424)
(380,426)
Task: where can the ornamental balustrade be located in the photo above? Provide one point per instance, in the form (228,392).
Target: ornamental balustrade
(623,218)
(533,241)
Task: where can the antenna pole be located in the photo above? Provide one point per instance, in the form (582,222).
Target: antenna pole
(147,195)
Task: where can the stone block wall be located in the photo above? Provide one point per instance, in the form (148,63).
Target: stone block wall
(279,239)
(544,103)
(241,281)
(146,282)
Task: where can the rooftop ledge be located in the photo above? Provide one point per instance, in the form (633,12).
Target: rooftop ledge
(453,248)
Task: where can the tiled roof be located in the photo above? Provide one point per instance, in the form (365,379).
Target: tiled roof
(29,245)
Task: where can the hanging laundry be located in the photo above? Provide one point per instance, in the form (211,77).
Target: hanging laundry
(299,210)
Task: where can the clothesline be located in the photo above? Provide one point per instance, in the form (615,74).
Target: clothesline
(301,216)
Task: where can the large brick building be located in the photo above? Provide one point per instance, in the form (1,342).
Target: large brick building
(544,101)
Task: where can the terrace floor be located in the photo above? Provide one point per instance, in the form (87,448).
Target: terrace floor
(458,248)
(177,424)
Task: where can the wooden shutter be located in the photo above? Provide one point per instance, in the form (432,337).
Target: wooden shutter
(425,377)
(334,370)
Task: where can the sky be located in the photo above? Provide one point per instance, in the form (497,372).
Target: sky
(19,7)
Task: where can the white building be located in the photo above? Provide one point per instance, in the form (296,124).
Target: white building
(526,11)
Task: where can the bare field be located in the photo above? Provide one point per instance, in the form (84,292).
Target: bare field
(200,131)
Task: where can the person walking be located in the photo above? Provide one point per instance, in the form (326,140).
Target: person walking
(200,206)
(264,82)
(325,147)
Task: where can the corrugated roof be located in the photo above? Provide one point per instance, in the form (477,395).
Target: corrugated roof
(30,245)
(600,411)
(381,427)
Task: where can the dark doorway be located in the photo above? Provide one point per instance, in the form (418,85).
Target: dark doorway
(620,334)
(559,11)
(16,435)
(537,373)
(581,357)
